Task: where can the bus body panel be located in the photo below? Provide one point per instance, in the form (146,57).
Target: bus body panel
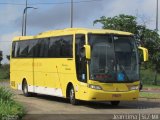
(21,69)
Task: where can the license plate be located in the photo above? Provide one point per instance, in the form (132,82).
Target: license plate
(116,95)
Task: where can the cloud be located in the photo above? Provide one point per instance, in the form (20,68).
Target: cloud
(144,8)
(8,15)
(5,44)
(57,17)
(149,8)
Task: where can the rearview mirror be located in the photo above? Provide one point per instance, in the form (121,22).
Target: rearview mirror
(145,53)
(87,51)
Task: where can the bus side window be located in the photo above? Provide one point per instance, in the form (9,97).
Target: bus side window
(43,48)
(13,49)
(81,66)
(24,49)
(54,47)
(31,49)
(67,46)
(17,49)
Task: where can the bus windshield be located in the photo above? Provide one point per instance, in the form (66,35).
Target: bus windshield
(114,58)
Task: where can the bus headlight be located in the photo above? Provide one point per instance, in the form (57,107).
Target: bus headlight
(134,88)
(97,87)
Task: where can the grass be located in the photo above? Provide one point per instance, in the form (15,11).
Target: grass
(4,72)
(152,86)
(150,95)
(9,107)
(4,80)
(147,77)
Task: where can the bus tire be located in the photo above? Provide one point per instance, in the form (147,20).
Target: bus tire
(72,98)
(115,103)
(25,89)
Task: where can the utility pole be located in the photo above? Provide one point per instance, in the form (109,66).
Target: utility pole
(25,20)
(157,17)
(71,13)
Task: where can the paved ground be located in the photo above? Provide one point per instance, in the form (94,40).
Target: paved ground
(44,107)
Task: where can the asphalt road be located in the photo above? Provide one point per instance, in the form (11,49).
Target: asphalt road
(43,107)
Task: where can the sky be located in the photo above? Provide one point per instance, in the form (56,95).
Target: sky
(49,16)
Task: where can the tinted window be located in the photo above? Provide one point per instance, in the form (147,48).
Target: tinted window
(24,49)
(13,49)
(61,47)
(43,47)
(17,47)
(55,47)
(66,46)
(24,45)
(31,49)
(21,49)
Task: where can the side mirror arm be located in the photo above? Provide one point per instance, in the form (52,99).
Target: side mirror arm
(145,53)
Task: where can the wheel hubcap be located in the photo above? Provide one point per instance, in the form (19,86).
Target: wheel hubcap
(72,95)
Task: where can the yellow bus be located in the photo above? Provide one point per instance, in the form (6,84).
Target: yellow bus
(78,64)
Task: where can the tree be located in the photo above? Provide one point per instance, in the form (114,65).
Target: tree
(8,57)
(121,22)
(1,57)
(144,36)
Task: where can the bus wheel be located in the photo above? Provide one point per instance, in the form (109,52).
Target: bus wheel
(25,89)
(72,98)
(115,103)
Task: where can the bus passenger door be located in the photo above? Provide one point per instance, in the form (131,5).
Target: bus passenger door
(81,65)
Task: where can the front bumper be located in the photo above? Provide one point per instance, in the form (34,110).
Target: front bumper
(100,95)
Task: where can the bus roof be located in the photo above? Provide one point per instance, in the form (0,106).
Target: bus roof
(68,31)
